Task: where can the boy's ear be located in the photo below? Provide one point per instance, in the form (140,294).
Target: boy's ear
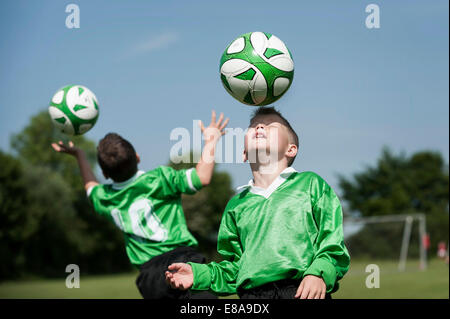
(292,150)
(138,159)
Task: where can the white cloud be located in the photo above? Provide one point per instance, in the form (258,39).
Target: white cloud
(155,43)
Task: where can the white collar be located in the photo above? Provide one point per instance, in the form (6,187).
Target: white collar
(121,185)
(272,187)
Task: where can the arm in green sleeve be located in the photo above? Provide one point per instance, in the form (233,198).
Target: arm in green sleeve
(173,182)
(331,258)
(221,277)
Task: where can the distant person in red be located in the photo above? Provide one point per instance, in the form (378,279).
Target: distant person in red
(442,250)
(426,241)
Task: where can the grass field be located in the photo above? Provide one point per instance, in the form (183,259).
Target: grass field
(413,283)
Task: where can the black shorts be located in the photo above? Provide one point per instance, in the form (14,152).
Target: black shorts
(281,289)
(151,281)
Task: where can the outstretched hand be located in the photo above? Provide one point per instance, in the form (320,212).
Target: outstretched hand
(87,175)
(63,148)
(215,129)
(180,276)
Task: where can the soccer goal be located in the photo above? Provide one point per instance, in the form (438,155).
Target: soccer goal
(387,236)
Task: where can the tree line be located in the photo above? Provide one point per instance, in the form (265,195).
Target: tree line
(47,222)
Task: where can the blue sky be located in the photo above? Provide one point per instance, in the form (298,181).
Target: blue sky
(153,66)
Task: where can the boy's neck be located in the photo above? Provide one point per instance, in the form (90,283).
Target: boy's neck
(264,175)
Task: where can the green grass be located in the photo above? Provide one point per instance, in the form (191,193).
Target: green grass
(109,286)
(413,283)
(432,283)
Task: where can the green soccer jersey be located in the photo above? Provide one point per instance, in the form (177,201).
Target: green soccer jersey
(147,208)
(289,230)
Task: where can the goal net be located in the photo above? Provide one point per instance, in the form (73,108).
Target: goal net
(389,237)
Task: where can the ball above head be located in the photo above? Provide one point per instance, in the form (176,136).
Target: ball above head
(74,109)
(257,68)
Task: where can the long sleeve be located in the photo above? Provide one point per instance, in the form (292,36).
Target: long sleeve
(173,182)
(221,277)
(331,259)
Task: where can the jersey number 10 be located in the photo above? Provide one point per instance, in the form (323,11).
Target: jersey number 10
(141,221)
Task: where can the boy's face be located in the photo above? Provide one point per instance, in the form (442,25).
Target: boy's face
(267,134)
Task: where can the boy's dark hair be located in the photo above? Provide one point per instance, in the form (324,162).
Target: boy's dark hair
(272,111)
(116,157)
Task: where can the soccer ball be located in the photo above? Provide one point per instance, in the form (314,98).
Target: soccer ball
(257,68)
(74,109)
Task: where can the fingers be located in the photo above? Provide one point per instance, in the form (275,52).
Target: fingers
(171,266)
(68,148)
(170,279)
(218,122)
(220,119)
(60,147)
(200,123)
(316,294)
(172,283)
(221,127)
(308,293)
(175,266)
(311,295)
(299,290)
(303,290)
(179,276)
(215,124)
(56,147)
(169,276)
(175,283)
(305,293)
(310,288)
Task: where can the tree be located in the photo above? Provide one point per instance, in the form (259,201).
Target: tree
(68,229)
(32,145)
(35,213)
(400,185)
(47,221)
(14,223)
(53,236)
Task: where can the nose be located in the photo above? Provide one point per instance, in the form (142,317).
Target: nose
(259,126)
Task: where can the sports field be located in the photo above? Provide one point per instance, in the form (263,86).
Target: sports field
(413,283)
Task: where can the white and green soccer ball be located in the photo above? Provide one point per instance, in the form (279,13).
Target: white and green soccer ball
(74,109)
(257,68)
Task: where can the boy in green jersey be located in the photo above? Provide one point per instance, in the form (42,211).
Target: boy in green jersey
(146,206)
(282,236)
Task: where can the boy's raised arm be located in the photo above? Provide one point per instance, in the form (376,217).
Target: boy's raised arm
(88,176)
(212,134)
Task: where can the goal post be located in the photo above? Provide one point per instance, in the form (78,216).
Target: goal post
(407,220)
